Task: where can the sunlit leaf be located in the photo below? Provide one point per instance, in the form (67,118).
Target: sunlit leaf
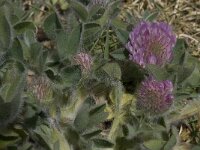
(113,70)
(155,144)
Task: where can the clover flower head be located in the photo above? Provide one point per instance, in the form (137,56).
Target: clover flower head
(151,43)
(39,86)
(84,60)
(154,96)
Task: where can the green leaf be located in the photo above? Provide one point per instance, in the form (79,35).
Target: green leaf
(94,11)
(71,75)
(62,44)
(97,115)
(17,51)
(154,144)
(179,51)
(187,111)
(12,98)
(25,146)
(194,79)
(63,143)
(52,25)
(13,85)
(80,10)
(97,118)
(42,61)
(81,121)
(44,135)
(73,41)
(34,52)
(113,70)
(114,9)
(102,143)
(6,141)
(191,60)
(88,116)
(29,38)
(119,24)
(5,31)
(24,26)
(104,18)
(4,114)
(123,143)
(68,43)
(116,95)
(49,136)
(37,57)
(122,35)
(183,73)
(118,54)
(82,118)
(97,109)
(91,134)
(91,25)
(72,135)
(158,72)
(170,143)
(8,135)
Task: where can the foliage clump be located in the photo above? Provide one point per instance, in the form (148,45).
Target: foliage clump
(66,81)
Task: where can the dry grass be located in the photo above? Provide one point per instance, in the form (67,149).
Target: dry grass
(183,15)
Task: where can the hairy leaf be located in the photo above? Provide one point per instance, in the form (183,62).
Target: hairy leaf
(5,31)
(113,70)
(102,143)
(24,26)
(80,10)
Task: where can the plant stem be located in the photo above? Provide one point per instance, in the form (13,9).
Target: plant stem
(106,50)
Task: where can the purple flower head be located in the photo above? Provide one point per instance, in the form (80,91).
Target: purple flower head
(84,60)
(151,43)
(154,96)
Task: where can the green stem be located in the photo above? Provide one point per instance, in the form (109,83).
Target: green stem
(106,51)
(115,129)
(119,112)
(81,37)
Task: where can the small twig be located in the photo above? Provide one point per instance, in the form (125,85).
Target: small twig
(97,41)
(174,12)
(188,36)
